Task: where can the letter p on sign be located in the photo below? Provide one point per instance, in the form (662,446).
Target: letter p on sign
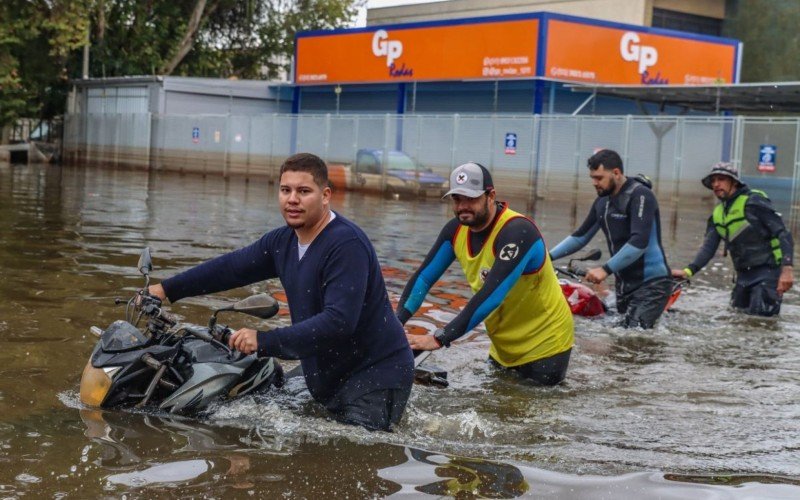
(382,46)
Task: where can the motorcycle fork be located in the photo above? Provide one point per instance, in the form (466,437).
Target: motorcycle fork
(160,368)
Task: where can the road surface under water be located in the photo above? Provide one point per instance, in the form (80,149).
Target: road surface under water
(705,405)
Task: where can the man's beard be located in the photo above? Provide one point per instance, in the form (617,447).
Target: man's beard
(723,196)
(479,218)
(608,191)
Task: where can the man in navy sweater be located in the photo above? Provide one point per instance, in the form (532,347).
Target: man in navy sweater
(355,357)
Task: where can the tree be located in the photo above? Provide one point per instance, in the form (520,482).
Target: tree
(217,38)
(36,40)
(768,29)
(41,42)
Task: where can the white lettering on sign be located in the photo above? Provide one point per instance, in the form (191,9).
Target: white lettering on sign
(631,50)
(383,47)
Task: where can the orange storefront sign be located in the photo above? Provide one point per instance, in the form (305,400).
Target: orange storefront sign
(595,53)
(480,50)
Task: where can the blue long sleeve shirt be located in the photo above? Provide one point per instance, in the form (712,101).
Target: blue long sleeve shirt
(344,331)
(499,280)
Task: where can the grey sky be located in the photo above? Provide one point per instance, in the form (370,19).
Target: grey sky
(362,13)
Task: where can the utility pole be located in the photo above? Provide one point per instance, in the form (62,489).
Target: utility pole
(85,71)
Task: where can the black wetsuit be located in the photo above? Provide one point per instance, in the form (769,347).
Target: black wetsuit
(755,291)
(631,222)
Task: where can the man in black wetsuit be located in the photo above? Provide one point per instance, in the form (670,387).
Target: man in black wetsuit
(627,212)
(760,246)
(506,264)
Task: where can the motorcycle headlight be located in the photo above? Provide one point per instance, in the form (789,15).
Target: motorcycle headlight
(95,383)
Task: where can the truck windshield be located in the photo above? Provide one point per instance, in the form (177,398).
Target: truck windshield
(400,161)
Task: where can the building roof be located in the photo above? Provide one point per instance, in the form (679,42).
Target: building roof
(255,89)
(771,97)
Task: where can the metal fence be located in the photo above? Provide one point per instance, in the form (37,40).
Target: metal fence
(534,157)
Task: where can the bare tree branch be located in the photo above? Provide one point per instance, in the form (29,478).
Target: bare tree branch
(100,29)
(188,39)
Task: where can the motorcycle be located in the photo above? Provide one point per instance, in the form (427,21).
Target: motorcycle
(170,365)
(583,301)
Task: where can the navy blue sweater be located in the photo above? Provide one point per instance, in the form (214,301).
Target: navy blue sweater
(343,330)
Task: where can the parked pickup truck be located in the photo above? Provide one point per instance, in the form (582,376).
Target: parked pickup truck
(403,176)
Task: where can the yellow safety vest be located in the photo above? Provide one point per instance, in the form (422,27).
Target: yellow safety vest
(534,321)
(748,248)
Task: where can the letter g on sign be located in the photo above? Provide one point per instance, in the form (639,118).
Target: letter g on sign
(631,50)
(383,47)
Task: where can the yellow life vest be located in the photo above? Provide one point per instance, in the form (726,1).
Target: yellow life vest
(747,247)
(534,320)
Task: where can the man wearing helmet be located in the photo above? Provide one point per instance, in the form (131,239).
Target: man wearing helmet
(760,246)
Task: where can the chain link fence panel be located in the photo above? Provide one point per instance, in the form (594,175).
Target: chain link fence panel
(541,157)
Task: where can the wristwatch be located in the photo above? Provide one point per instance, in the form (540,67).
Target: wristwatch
(439,336)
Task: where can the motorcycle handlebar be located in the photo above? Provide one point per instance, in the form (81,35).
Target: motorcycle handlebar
(150,306)
(579,272)
(221,333)
(571,272)
(200,333)
(679,283)
(144,300)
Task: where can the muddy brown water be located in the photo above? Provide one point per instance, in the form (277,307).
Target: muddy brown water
(705,405)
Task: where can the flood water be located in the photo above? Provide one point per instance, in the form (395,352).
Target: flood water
(704,406)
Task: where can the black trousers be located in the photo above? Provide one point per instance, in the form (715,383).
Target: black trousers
(546,371)
(643,306)
(376,411)
(758,297)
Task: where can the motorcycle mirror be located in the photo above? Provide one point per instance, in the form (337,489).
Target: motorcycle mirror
(260,305)
(594,254)
(145,262)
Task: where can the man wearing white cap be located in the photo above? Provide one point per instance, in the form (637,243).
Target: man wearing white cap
(760,246)
(508,268)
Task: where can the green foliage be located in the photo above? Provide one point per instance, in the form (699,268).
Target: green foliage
(36,40)
(769,31)
(41,42)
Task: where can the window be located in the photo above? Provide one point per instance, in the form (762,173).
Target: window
(367,164)
(670,19)
(399,161)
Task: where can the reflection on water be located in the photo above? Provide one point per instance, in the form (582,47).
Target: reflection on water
(708,397)
(128,453)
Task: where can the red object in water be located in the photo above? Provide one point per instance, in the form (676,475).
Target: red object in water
(676,292)
(582,300)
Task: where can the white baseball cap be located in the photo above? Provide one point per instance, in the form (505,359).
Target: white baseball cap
(470,179)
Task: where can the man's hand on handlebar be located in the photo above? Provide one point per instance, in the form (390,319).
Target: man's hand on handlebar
(244,340)
(679,274)
(596,275)
(423,342)
(157,291)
